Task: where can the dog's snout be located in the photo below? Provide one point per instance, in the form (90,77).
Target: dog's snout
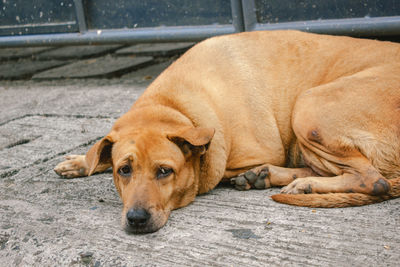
(137,217)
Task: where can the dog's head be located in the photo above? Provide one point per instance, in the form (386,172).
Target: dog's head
(154,171)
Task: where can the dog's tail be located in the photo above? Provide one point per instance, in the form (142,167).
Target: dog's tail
(337,200)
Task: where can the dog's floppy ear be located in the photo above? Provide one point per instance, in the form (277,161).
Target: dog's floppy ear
(99,154)
(193,140)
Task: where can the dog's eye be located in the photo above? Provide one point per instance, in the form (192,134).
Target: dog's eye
(164,172)
(125,171)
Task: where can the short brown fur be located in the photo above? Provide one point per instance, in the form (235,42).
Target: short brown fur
(262,101)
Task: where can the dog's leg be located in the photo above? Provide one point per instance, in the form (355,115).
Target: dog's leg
(346,183)
(348,130)
(267,175)
(357,186)
(352,173)
(76,166)
(96,160)
(73,166)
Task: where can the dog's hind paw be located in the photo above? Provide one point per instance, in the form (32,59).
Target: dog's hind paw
(73,166)
(255,178)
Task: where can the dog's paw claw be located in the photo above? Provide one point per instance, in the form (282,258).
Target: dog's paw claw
(260,184)
(251,179)
(240,183)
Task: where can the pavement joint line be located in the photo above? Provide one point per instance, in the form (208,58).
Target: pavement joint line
(77,116)
(13,172)
(109,171)
(50,115)
(15,119)
(10,173)
(106,67)
(21,142)
(79,52)
(113,202)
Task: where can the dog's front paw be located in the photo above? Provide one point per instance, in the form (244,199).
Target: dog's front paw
(299,186)
(73,166)
(256,178)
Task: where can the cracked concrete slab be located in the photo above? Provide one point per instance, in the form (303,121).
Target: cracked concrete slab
(78,51)
(18,53)
(155,49)
(25,68)
(89,98)
(30,139)
(148,74)
(49,221)
(106,66)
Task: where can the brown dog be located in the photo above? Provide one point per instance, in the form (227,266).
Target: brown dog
(317,114)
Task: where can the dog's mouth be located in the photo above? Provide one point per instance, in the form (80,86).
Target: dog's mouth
(141,221)
(141,230)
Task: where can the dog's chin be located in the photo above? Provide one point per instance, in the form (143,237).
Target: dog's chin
(141,230)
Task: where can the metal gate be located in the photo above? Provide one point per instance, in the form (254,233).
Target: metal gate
(66,22)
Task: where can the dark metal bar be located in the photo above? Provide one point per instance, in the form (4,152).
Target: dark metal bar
(18,30)
(249,14)
(80,16)
(244,19)
(144,35)
(237,15)
(380,26)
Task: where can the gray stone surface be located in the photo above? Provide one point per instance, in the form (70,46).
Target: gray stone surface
(148,74)
(39,132)
(73,98)
(23,69)
(106,66)
(17,53)
(48,221)
(79,51)
(157,49)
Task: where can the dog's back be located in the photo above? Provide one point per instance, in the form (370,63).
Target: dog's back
(254,108)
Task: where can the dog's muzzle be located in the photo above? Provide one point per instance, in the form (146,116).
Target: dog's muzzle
(140,220)
(137,220)
(137,217)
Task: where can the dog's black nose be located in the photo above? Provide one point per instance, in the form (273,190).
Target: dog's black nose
(137,217)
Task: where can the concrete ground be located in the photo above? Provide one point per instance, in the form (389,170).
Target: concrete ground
(49,221)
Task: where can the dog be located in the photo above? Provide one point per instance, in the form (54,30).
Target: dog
(317,114)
